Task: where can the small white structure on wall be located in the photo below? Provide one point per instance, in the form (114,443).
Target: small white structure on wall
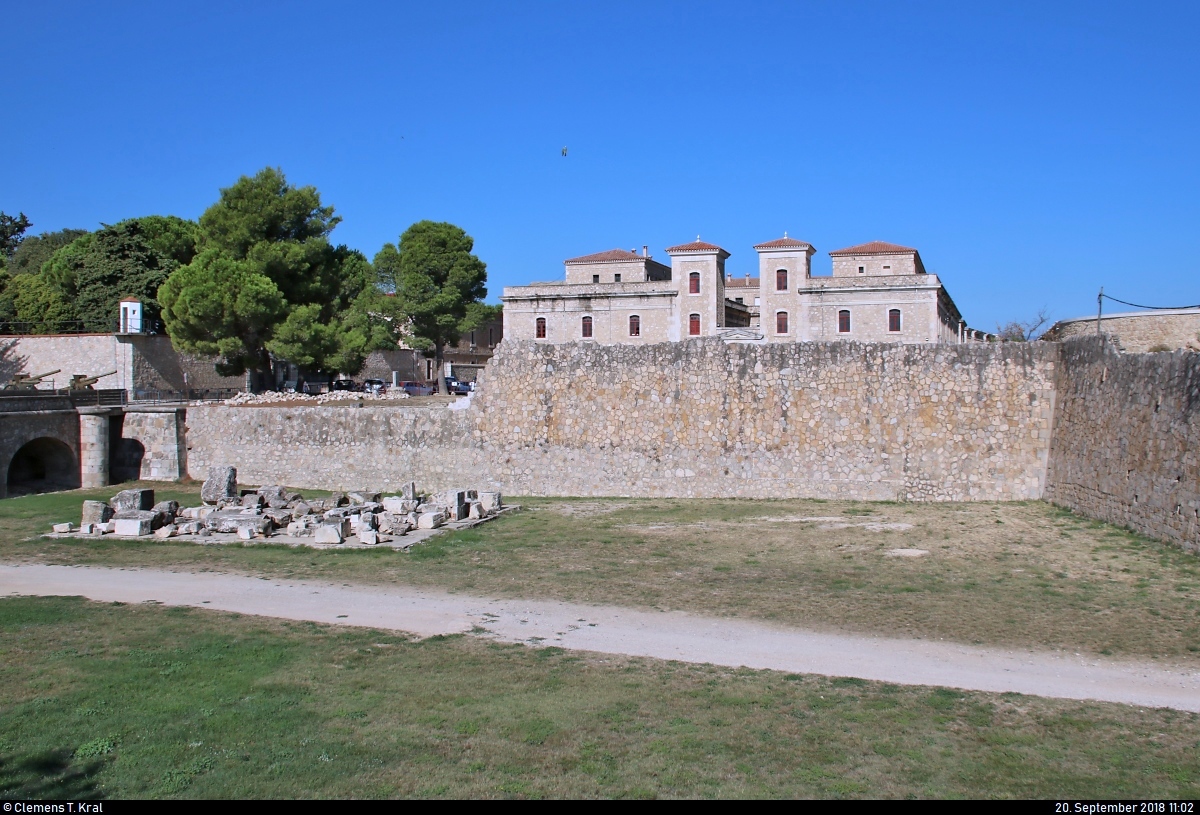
(131,316)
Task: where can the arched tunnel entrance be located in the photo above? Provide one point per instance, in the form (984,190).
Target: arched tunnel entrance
(43,465)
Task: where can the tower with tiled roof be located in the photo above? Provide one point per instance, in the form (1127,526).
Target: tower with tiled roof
(698,272)
(876,259)
(784,264)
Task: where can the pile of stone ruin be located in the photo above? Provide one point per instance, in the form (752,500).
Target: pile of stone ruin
(362,517)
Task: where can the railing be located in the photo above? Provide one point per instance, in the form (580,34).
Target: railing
(142,396)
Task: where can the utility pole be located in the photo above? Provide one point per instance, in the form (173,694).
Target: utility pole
(1099,308)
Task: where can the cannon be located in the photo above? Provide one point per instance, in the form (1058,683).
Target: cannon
(82,382)
(28,382)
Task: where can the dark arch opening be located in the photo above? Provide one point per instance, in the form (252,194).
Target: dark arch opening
(43,465)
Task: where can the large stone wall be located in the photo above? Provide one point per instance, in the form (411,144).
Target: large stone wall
(1138,332)
(1126,445)
(143,363)
(698,418)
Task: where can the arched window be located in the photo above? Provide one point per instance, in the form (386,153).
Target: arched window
(635,325)
(541,328)
(844,321)
(693,325)
(781,280)
(894,320)
(781,324)
(587,328)
(694,283)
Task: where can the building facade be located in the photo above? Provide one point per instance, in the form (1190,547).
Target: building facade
(1137,332)
(878,292)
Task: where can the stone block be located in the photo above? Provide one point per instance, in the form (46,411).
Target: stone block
(279,517)
(63,528)
(476,511)
(327,533)
(86,529)
(167,511)
(431,520)
(270,492)
(368,536)
(338,499)
(246,532)
(409,491)
(399,506)
(132,499)
(491,501)
(300,508)
(131,526)
(363,497)
(221,484)
(253,500)
(165,532)
(96,512)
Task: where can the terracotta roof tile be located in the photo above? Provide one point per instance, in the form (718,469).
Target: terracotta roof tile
(695,246)
(781,243)
(874,248)
(609,256)
(742,283)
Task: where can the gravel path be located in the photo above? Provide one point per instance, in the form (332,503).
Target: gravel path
(610,630)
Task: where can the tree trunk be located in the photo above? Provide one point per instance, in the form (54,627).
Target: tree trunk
(438,357)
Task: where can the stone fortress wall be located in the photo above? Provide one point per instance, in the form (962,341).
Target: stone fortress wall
(700,418)
(1126,444)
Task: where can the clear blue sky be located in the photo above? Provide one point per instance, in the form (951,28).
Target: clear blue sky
(1032,152)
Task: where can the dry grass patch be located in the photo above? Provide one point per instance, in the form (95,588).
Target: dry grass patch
(1020,574)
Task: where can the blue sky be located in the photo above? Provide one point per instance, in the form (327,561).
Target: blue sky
(1032,152)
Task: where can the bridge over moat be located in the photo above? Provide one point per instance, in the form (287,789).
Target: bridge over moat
(55,441)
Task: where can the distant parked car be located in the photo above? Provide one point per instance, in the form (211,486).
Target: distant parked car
(374,386)
(417,388)
(453,386)
(343,385)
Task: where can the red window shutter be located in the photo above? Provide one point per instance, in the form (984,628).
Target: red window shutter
(635,326)
(694,283)
(694,325)
(844,322)
(894,320)
(781,323)
(781,280)
(587,327)
(541,328)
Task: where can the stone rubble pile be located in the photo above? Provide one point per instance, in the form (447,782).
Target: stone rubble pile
(368,516)
(275,397)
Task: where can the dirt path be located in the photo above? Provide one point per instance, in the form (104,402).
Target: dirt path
(661,635)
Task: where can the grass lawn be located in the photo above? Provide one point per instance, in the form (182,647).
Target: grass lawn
(1023,574)
(125,701)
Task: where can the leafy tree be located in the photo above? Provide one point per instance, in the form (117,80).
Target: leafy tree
(1023,330)
(438,286)
(129,259)
(267,281)
(12,232)
(41,309)
(35,250)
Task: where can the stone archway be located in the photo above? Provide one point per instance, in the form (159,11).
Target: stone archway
(43,465)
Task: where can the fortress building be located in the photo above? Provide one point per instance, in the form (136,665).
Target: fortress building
(878,292)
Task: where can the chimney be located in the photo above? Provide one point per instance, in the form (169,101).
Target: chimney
(645,251)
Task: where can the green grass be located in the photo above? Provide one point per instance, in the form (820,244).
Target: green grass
(1018,583)
(112,701)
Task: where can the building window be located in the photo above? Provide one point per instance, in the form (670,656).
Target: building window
(693,325)
(635,325)
(894,320)
(781,280)
(738,300)
(887,268)
(616,278)
(541,328)
(491,341)
(587,328)
(860,269)
(844,322)
(595,278)
(472,338)
(781,326)
(694,283)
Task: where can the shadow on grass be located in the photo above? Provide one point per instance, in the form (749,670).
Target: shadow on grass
(49,774)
